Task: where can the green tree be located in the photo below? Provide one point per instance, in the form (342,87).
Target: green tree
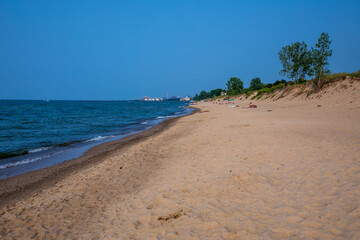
(296,60)
(285,56)
(302,59)
(234,86)
(215,92)
(203,95)
(256,84)
(320,55)
(196,98)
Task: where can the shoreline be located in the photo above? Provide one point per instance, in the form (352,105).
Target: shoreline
(20,186)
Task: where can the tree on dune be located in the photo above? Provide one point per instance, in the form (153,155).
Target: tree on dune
(196,97)
(203,95)
(256,84)
(320,54)
(303,60)
(234,86)
(215,92)
(285,55)
(296,60)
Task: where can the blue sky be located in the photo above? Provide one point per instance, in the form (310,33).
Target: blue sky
(127,49)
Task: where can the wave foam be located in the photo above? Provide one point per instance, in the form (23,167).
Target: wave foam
(97,138)
(39,149)
(26,161)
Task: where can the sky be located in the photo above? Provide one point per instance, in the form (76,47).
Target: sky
(118,50)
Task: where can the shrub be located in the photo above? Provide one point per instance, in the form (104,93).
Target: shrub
(264,90)
(246,90)
(325,79)
(277,86)
(269,85)
(289,83)
(248,93)
(301,81)
(267,90)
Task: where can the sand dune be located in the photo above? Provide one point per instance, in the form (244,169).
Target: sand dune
(222,173)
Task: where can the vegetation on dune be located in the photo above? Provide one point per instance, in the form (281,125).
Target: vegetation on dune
(336,76)
(264,90)
(298,63)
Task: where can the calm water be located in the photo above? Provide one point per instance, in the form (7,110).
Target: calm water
(55,131)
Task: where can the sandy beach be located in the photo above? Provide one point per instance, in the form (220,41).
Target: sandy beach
(289,169)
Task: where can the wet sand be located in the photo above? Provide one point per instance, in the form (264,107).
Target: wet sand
(289,169)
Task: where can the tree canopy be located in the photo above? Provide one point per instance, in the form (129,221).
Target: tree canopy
(256,84)
(320,54)
(234,86)
(204,95)
(298,61)
(215,92)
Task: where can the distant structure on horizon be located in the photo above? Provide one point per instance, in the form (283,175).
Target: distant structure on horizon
(147,98)
(173,98)
(187,98)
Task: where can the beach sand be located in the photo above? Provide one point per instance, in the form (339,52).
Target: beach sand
(289,169)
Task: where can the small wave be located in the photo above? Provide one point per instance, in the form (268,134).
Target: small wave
(97,138)
(25,161)
(39,149)
(160,117)
(146,122)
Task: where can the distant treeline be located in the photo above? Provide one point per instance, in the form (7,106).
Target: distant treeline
(204,95)
(298,62)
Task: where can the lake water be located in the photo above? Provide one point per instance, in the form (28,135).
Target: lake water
(38,134)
